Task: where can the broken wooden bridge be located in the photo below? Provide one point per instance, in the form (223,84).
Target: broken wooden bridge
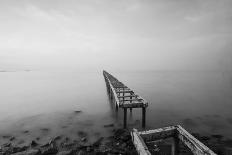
(124,97)
(177,133)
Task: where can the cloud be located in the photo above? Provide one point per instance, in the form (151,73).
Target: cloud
(158,31)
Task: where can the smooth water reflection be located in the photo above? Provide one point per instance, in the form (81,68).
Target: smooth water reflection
(33,100)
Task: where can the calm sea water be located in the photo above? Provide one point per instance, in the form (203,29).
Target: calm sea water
(200,101)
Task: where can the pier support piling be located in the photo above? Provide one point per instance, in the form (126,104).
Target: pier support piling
(143,117)
(125,118)
(175,148)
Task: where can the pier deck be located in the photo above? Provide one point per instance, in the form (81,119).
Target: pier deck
(124,97)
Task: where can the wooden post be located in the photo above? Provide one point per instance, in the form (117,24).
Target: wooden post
(143,117)
(125,118)
(131,102)
(113,99)
(110,93)
(175,146)
(116,107)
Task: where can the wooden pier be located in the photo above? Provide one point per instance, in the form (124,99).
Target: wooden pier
(178,134)
(123,97)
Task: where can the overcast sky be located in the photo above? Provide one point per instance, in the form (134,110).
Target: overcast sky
(116,34)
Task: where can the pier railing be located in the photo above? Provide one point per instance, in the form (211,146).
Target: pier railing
(123,97)
(176,132)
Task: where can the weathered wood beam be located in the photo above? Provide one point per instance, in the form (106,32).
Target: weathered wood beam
(131,105)
(121,87)
(179,134)
(161,133)
(135,99)
(192,143)
(139,143)
(124,91)
(127,96)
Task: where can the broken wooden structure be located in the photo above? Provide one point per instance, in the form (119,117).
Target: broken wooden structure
(176,132)
(124,97)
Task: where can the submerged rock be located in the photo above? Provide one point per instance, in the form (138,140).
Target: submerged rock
(57,138)
(45,129)
(98,142)
(77,111)
(6,136)
(118,143)
(7,145)
(65,153)
(26,131)
(49,150)
(28,152)
(82,133)
(109,125)
(12,138)
(33,143)
(84,139)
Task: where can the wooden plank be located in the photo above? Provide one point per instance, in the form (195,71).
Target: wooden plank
(132,105)
(127,96)
(161,133)
(192,143)
(139,143)
(124,91)
(135,99)
(121,87)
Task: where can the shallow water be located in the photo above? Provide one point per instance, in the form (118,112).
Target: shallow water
(43,102)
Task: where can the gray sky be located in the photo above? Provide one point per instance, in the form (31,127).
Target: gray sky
(116,34)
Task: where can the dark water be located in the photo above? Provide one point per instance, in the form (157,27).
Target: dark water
(43,102)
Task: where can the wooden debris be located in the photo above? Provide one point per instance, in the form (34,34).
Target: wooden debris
(176,132)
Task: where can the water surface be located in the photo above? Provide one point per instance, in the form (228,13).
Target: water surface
(44,102)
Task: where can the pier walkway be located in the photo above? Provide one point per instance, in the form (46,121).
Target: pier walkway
(125,98)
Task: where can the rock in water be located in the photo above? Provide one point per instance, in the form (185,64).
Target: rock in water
(98,142)
(109,125)
(12,138)
(81,152)
(33,143)
(77,111)
(28,152)
(49,150)
(64,153)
